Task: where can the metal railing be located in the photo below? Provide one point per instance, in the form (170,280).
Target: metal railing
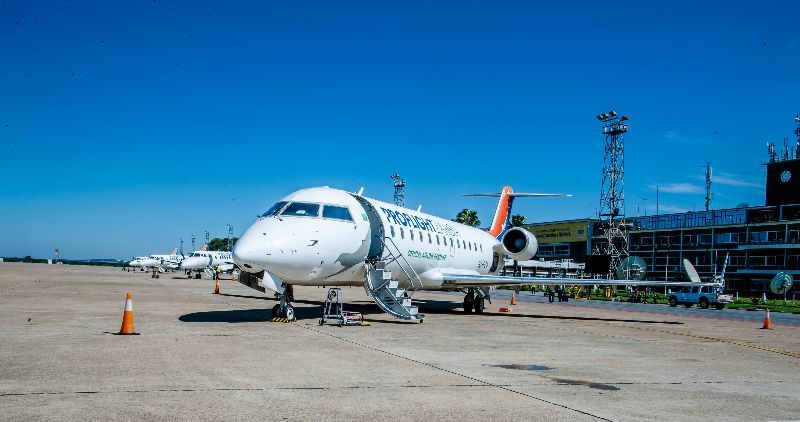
(397,256)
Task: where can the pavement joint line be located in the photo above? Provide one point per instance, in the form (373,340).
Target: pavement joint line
(20,285)
(702,337)
(194,390)
(728,341)
(584,303)
(499,386)
(355,387)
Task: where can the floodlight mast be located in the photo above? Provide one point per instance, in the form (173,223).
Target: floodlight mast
(399,190)
(612,191)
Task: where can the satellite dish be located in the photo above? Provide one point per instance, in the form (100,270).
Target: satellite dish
(691,272)
(781,283)
(631,268)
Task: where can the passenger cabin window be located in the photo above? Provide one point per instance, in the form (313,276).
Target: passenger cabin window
(336,213)
(411,232)
(402,233)
(437,240)
(302,209)
(421,237)
(391,230)
(274,209)
(430,238)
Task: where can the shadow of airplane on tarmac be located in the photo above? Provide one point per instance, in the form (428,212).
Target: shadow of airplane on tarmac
(427,306)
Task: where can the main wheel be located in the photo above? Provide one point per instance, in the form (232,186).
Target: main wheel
(478,306)
(467,305)
(290,313)
(276,311)
(704,303)
(673,301)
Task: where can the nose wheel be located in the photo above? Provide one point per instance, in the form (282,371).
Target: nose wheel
(284,309)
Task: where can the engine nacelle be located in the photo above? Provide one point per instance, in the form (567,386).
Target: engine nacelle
(520,244)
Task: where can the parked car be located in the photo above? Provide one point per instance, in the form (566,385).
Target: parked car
(704,296)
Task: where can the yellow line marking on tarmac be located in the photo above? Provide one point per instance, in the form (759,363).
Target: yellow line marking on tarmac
(725,340)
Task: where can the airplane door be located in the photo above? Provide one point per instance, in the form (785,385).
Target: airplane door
(376,231)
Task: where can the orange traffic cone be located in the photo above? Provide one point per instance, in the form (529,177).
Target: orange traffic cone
(127,317)
(767,322)
(513,298)
(216,288)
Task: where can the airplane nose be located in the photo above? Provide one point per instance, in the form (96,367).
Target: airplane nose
(245,254)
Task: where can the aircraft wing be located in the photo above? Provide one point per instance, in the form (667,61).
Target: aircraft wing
(472,280)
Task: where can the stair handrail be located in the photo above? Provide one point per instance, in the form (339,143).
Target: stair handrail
(402,267)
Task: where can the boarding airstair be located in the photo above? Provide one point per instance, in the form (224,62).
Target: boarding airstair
(385,290)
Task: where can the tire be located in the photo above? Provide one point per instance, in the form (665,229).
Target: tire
(719,306)
(290,313)
(478,306)
(673,301)
(467,306)
(321,321)
(703,303)
(276,311)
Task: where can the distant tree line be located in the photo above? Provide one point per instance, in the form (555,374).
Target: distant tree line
(470,218)
(221,244)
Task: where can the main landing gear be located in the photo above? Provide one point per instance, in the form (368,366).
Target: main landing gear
(285,309)
(475,300)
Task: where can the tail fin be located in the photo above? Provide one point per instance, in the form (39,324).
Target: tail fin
(174,251)
(202,248)
(502,216)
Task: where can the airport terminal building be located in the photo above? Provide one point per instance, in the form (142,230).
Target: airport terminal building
(761,240)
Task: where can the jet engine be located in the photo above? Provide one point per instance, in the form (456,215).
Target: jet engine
(520,244)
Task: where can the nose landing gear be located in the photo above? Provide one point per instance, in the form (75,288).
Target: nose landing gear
(285,309)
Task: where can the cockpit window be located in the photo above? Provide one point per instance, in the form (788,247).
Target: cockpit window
(274,209)
(302,209)
(336,212)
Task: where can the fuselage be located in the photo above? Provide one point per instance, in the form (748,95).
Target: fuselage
(170,262)
(200,260)
(144,262)
(323,236)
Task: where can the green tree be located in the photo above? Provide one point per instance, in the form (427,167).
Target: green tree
(220,244)
(468,217)
(517,220)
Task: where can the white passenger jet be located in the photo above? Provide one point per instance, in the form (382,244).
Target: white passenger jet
(204,260)
(171,261)
(330,237)
(144,262)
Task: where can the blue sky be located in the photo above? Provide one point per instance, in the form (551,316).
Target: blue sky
(126,125)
